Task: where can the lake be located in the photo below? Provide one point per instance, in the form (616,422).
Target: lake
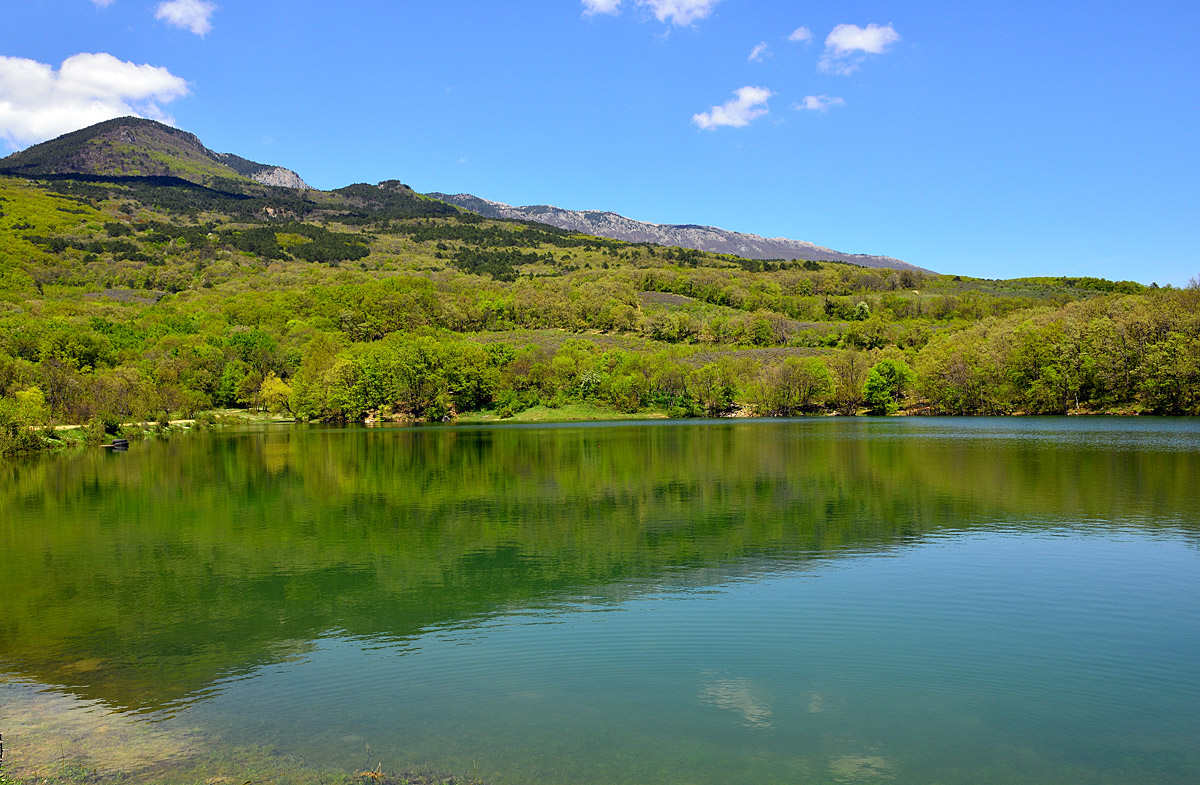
(826,600)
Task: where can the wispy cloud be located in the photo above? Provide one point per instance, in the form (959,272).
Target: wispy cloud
(194,15)
(819,103)
(749,103)
(801,35)
(103,3)
(758,52)
(679,12)
(676,12)
(846,46)
(39,103)
(593,7)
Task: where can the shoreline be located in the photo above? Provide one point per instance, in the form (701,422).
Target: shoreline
(72,436)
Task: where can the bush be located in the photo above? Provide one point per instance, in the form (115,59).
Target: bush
(95,432)
(16,432)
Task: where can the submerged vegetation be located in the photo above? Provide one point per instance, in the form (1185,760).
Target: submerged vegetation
(151,298)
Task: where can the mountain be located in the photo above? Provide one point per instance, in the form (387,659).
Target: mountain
(135,147)
(701,238)
(140,148)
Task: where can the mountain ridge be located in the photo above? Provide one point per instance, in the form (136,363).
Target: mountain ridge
(603,223)
(141,148)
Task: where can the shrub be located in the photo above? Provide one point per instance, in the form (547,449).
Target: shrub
(95,432)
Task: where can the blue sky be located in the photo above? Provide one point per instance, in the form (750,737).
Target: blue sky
(994,140)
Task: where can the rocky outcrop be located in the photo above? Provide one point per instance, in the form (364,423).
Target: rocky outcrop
(280,177)
(263,173)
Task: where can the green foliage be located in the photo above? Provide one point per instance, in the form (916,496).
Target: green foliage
(390,200)
(131,298)
(500,265)
(715,387)
(95,431)
(849,372)
(259,242)
(275,394)
(793,387)
(1093,284)
(132,432)
(886,384)
(17,428)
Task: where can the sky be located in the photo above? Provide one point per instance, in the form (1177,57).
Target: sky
(994,140)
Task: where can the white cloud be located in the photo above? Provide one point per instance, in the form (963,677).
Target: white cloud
(819,103)
(103,3)
(847,45)
(756,54)
(751,102)
(801,35)
(592,7)
(194,15)
(39,103)
(679,12)
(845,39)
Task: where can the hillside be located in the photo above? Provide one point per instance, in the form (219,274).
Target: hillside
(135,147)
(127,297)
(700,238)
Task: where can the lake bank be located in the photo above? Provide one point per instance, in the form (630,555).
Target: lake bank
(68,436)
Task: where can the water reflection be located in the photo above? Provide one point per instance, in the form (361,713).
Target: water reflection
(681,580)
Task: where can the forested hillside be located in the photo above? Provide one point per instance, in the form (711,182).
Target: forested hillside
(138,298)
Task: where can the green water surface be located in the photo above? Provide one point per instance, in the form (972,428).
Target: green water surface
(830,600)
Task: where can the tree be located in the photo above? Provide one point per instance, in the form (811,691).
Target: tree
(886,384)
(31,404)
(790,387)
(17,418)
(715,385)
(849,371)
(311,384)
(247,391)
(275,395)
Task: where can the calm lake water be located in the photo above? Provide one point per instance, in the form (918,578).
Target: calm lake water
(829,600)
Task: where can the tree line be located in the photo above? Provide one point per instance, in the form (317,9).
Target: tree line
(1122,352)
